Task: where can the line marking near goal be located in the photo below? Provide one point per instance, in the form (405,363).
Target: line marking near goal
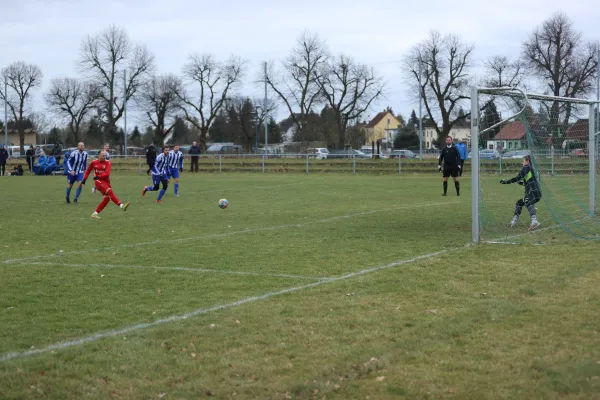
(215,235)
(187,269)
(174,318)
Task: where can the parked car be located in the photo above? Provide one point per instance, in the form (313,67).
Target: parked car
(402,154)
(347,153)
(516,154)
(369,152)
(320,153)
(578,153)
(487,154)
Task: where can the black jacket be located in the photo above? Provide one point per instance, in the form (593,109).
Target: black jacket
(151,154)
(30,153)
(450,156)
(195,150)
(3,156)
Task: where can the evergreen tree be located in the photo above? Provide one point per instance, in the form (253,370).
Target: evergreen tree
(489,117)
(94,133)
(180,131)
(55,136)
(136,137)
(413,120)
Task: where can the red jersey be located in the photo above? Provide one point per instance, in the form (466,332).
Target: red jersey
(101,170)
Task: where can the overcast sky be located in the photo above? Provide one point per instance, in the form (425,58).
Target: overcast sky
(378,32)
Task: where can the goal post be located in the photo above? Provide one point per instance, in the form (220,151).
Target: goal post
(561,136)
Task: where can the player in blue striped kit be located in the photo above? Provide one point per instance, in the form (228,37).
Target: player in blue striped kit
(106,149)
(175,162)
(160,174)
(76,166)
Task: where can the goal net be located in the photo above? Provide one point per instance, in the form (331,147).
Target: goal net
(560,136)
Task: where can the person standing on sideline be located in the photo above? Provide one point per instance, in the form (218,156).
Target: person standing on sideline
(150,157)
(3,159)
(452,166)
(195,155)
(30,155)
(462,151)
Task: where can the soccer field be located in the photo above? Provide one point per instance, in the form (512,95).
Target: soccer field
(306,286)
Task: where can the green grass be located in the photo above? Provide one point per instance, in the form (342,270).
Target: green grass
(488,321)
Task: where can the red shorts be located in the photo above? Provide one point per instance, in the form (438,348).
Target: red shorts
(102,186)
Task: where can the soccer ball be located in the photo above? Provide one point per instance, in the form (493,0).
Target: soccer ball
(223,203)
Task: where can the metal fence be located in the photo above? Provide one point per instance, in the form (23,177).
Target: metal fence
(554,163)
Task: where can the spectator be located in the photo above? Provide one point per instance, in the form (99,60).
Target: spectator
(41,164)
(150,157)
(30,154)
(50,166)
(38,151)
(16,171)
(3,158)
(195,153)
(57,152)
(462,152)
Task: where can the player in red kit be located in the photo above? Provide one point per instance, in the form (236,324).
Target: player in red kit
(101,167)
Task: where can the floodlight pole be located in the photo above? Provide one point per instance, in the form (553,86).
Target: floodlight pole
(475,223)
(266,116)
(5,114)
(420,112)
(125,110)
(592,157)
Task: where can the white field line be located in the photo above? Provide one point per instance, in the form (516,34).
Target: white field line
(157,268)
(174,318)
(215,235)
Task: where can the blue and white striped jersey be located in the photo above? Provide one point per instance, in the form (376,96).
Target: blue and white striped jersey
(160,165)
(175,159)
(77,161)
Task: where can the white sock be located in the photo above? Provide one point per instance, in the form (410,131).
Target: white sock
(95,212)
(121,205)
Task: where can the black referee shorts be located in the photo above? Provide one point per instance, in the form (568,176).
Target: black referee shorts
(450,171)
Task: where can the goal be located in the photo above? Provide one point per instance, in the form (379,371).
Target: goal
(561,137)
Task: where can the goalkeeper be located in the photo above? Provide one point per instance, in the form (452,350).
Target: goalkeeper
(533,193)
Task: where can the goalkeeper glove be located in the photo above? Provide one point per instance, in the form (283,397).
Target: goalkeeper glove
(439,167)
(520,183)
(95,178)
(503,181)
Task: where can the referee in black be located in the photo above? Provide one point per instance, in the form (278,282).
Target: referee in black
(452,167)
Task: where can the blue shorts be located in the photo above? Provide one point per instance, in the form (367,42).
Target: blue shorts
(174,172)
(157,179)
(72,178)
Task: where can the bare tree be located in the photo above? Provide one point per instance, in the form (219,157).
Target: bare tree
(106,58)
(445,62)
(210,83)
(501,72)
(159,100)
(297,84)
(349,89)
(72,100)
(557,54)
(21,79)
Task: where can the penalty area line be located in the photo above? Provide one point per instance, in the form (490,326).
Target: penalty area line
(162,268)
(201,311)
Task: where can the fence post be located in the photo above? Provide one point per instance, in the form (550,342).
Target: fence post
(552,158)
(354,164)
(500,163)
(220,163)
(307,163)
(263,163)
(139,165)
(399,164)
